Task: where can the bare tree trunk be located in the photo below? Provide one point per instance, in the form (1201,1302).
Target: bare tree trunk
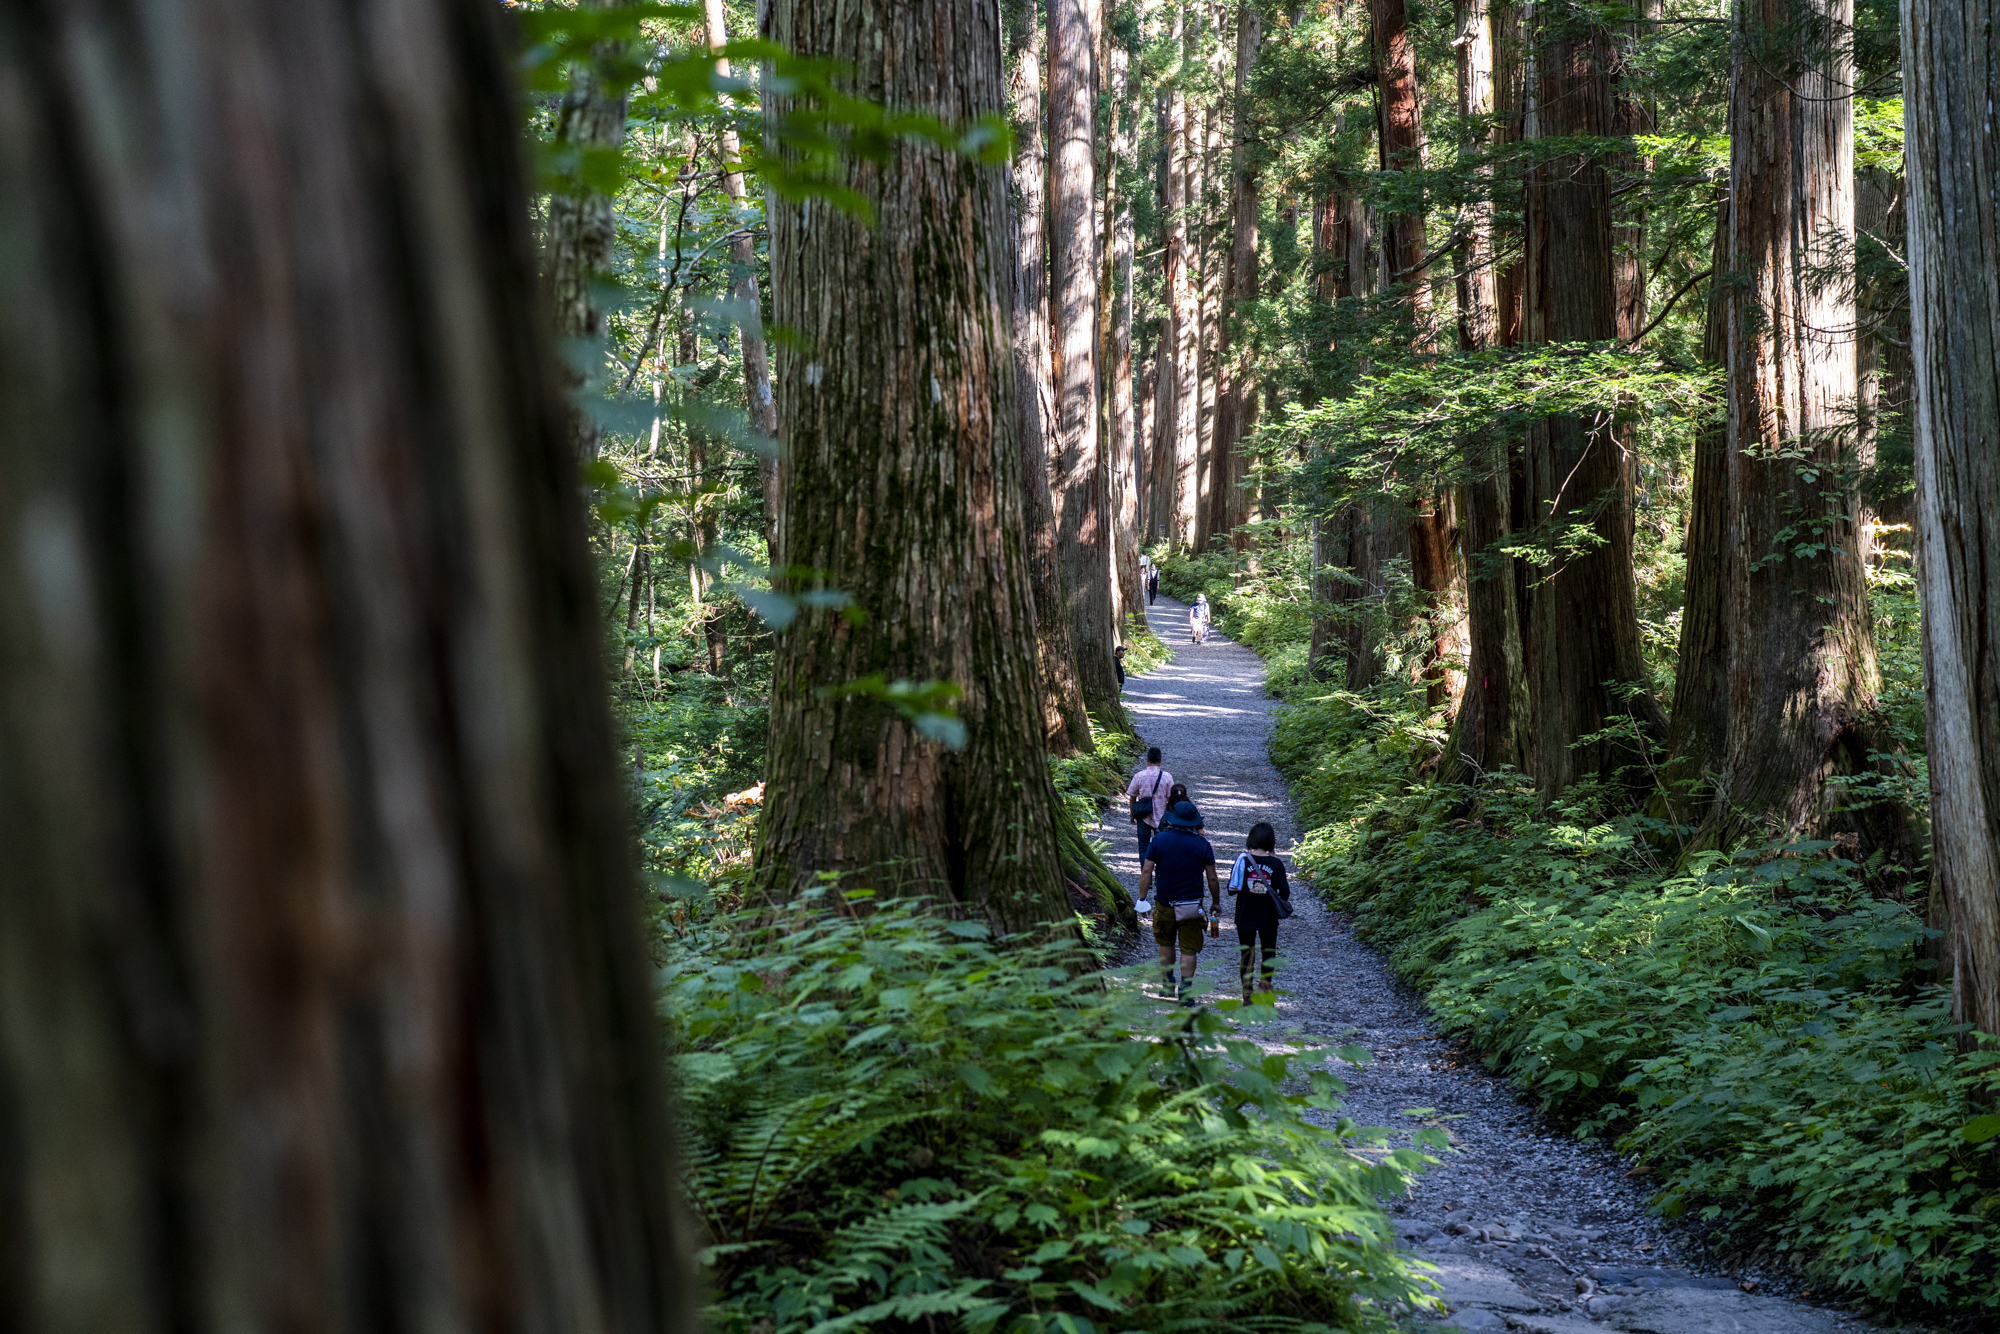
(1184,305)
(1124,435)
(582,226)
(1236,394)
(325,1002)
(1949,80)
(1583,651)
(1802,675)
(744,295)
(1081,482)
(1400,136)
(1698,740)
(1491,730)
(1064,719)
(906,492)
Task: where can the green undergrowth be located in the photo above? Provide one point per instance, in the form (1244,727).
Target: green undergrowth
(895,1122)
(695,749)
(1264,608)
(1758,1029)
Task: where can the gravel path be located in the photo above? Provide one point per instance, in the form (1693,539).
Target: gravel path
(1530,1229)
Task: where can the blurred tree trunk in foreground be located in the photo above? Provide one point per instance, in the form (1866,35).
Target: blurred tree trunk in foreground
(324,1005)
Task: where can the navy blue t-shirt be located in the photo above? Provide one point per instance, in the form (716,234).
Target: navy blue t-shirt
(1179,859)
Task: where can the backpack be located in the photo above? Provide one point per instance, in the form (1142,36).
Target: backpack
(1250,876)
(1143,806)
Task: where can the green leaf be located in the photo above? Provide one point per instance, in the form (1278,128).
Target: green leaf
(1980,1129)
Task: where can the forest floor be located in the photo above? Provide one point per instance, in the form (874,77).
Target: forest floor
(1529,1228)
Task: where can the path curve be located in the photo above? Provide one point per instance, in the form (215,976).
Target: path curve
(1568,1247)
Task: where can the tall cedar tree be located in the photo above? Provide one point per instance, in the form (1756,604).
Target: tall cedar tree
(1124,435)
(1585,669)
(1950,77)
(582,229)
(1180,421)
(901,423)
(1080,481)
(1064,720)
(1433,536)
(1801,657)
(1491,729)
(1236,391)
(743,291)
(325,1006)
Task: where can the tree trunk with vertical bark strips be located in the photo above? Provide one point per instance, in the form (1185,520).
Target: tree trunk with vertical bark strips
(1183,301)
(582,225)
(1698,738)
(1080,482)
(1064,720)
(906,493)
(1400,136)
(1585,668)
(743,292)
(1802,675)
(1950,77)
(1124,436)
(325,1006)
(1491,728)
(1235,408)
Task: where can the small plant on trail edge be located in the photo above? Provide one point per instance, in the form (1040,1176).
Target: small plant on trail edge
(1758,1028)
(895,1122)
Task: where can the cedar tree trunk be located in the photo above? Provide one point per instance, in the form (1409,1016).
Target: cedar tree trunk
(1491,730)
(1064,720)
(1080,481)
(900,420)
(744,295)
(322,1000)
(1802,675)
(1583,649)
(582,224)
(1950,77)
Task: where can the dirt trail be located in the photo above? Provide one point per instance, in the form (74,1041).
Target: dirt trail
(1530,1229)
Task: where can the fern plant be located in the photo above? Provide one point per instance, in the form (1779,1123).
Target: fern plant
(897,1122)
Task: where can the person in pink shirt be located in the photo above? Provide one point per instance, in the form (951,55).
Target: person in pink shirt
(1148,792)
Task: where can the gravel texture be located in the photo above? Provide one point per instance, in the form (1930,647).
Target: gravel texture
(1531,1228)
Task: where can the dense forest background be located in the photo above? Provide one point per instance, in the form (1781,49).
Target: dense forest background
(560,567)
(1531,384)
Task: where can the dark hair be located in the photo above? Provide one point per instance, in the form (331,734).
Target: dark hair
(1152,754)
(1262,838)
(1178,792)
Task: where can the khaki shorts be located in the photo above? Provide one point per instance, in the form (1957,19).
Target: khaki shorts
(1188,932)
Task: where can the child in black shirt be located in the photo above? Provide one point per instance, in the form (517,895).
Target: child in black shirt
(1257,882)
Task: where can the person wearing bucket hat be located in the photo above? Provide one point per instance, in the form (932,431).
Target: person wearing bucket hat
(1176,862)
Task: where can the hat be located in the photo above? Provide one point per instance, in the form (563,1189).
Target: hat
(1182,815)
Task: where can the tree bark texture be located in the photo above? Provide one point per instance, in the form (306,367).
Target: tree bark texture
(1698,739)
(1951,74)
(582,224)
(1802,674)
(1064,720)
(1491,729)
(1184,304)
(1400,137)
(900,421)
(1583,646)
(1124,435)
(1236,401)
(744,294)
(322,1000)
(1080,480)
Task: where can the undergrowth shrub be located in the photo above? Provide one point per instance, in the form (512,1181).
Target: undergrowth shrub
(894,1122)
(1758,1028)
